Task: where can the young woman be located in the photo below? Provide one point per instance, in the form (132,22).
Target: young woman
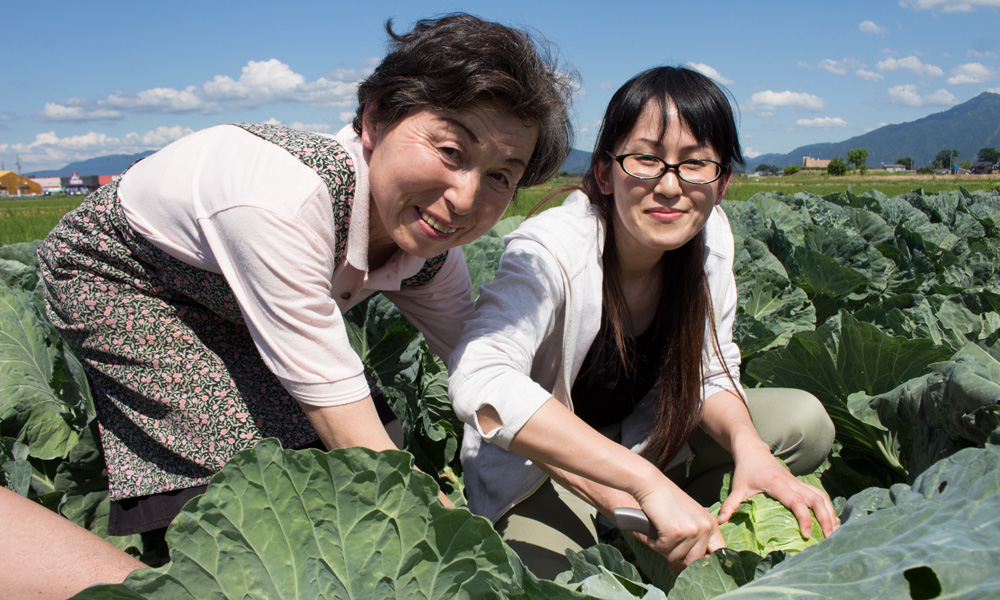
(204,290)
(599,370)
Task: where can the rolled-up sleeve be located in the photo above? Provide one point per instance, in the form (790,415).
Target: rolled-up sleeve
(515,314)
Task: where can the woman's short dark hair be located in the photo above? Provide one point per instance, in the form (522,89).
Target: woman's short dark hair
(457,61)
(701,104)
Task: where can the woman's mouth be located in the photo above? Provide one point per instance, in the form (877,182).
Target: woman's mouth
(435,224)
(664,214)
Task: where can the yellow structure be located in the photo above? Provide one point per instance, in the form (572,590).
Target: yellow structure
(12,184)
(814,163)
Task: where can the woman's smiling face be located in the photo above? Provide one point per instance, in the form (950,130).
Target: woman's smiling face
(656,215)
(442,178)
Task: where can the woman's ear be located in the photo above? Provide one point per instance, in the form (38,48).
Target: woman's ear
(602,174)
(724,185)
(369,128)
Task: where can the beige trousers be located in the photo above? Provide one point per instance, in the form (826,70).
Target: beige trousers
(552,520)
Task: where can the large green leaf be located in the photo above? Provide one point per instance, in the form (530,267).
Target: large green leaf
(42,401)
(937,538)
(350,523)
(840,358)
(956,405)
(763,525)
(414,382)
(771,309)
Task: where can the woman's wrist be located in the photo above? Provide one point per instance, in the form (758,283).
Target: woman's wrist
(747,443)
(644,477)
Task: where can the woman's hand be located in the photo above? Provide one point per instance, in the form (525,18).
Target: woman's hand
(686,531)
(757,471)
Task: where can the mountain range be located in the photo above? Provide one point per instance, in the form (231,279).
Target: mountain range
(112,164)
(967,127)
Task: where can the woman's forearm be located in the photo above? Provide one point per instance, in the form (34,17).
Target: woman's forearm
(347,425)
(556,437)
(726,419)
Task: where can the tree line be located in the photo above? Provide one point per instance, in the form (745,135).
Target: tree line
(858,157)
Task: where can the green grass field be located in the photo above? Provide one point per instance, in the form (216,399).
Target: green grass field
(815,182)
(23,220)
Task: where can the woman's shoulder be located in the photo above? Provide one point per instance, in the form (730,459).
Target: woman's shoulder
(719,233)
(570,228)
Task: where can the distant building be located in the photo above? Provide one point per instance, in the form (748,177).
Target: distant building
(12,184)
(50,185)
(75,184)
(814,163)
(893,168)
(983,167)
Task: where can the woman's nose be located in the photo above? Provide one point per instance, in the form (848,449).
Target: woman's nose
(669,184)
(461,194)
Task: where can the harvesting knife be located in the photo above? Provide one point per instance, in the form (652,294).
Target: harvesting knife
(633,519)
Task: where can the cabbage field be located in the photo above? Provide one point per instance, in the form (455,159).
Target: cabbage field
(887,309)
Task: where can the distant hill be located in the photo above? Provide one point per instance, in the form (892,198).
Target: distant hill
(102,165)
(967,128)
(577,162)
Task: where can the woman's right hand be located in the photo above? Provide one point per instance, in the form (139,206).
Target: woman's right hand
(686,531)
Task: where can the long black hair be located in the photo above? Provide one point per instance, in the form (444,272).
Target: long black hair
(685,306)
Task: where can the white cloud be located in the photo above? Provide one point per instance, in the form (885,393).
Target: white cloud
(766,102)
(907,95)
(983,54)
(709,72)
(948,5)
(910,63)
(76,110)
(50,149)
(970,73)
(995,90)
(162,100)
(822,123)
(750,152)
(870,27)
(839,67)
(869,75)
(261,83)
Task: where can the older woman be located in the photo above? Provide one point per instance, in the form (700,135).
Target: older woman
(204,291)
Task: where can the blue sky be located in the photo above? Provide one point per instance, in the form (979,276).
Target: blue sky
(90,79)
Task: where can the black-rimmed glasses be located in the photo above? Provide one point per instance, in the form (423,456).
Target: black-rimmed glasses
(648,166)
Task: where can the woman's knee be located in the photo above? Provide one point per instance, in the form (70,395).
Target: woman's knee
(795,425)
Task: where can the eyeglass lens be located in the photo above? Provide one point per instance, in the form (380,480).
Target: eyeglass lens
(693,171)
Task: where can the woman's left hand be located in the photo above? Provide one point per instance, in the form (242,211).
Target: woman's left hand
(757,471)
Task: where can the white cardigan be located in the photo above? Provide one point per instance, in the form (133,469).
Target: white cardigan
(531,330)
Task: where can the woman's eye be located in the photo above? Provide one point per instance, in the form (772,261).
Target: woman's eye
(502,179)
(451,152)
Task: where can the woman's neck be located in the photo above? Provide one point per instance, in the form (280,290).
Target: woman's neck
(381,246)
(641,283)
(380,253)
